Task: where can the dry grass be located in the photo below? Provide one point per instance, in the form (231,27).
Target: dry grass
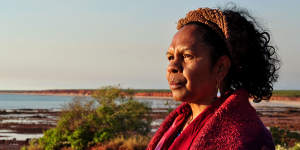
(121,143)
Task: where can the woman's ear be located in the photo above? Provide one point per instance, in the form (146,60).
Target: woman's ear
(222,67)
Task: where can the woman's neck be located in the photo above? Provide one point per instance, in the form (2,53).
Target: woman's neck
(197,109)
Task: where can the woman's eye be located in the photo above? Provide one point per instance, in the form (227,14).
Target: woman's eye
(187,56)
(170,58)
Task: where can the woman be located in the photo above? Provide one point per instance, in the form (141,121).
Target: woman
(217,60)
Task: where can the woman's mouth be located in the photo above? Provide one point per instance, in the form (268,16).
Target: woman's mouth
(176,85)
(176,81)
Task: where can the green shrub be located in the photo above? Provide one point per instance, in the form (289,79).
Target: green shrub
(286,93)
(86,122)
(102,135)
(296,146)
(279,147)
(80,137)
(52,139)
(284,138)
(33,145)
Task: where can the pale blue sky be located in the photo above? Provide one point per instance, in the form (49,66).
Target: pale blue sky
(55,44)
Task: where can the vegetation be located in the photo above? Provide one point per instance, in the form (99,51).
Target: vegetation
(83,123)
(296,147)
(113,120)
(287,93)
(131,143)
(285,139)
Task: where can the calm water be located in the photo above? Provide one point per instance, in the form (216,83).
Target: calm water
(20,101)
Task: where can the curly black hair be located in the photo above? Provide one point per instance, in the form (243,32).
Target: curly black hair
(254,61)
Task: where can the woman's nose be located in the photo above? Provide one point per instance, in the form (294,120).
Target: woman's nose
(174,67)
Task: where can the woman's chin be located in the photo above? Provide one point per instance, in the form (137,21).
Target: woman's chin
(180,95)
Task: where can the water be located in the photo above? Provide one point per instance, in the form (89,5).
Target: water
(20,101)
(11,102)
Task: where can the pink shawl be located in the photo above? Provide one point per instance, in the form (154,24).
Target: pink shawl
(229,123)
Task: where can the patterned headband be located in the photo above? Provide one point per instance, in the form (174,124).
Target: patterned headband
(213,18)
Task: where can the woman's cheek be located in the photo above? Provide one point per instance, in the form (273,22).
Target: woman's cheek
(188,74)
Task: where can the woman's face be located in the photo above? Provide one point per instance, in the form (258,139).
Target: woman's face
(190,74)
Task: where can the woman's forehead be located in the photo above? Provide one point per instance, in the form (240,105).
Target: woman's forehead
(189,34)
(188,37)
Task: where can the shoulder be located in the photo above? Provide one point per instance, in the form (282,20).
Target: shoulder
(252,134)
(245,126)
(235,125)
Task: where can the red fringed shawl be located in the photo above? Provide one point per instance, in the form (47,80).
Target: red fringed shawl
(227,124)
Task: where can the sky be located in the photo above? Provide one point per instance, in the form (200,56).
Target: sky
(63,44)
